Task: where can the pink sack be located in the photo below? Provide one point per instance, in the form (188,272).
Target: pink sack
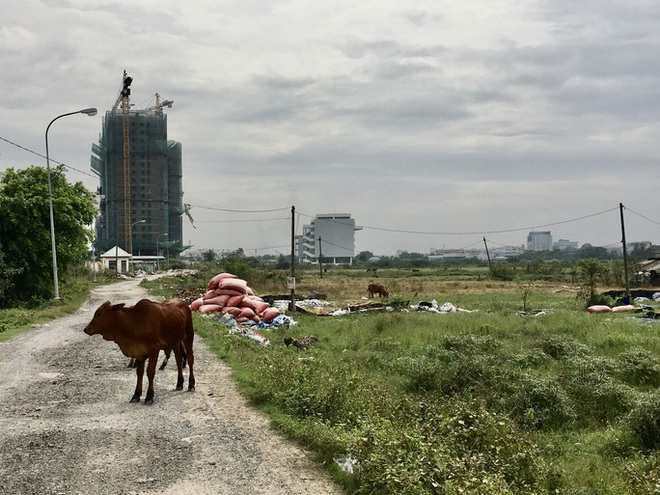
(234,284)
(599,308)
(209,308)
(248,303)
(235,301)
(195,305)
(213,283)
(259,306)
(229,292)
(618,309)
(219,300)
(232,310)
(209,294)
(270,314)
(248,313)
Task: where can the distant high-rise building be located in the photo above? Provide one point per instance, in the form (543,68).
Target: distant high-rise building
(539,241)
(155,177)
(329,236)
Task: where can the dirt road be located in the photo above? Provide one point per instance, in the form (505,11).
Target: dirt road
(67,427)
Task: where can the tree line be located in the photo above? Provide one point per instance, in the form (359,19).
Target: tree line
(26,265)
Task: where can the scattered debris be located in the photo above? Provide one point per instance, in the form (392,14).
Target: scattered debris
(346,463)
(303,344)
(434,307)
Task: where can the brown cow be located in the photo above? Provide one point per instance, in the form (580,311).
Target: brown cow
(377,289)
(142,331)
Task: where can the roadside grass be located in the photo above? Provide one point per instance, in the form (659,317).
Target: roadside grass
(492,401)
(73,292)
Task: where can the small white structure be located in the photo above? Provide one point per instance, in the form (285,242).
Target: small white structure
(116,259)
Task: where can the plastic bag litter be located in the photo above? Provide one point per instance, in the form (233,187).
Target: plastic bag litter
(346,463)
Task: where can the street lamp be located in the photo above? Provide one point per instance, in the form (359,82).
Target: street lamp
(131,244)
(87,111)
(135,223)
(157,248)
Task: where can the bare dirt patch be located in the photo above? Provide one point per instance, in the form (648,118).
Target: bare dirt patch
(67,427)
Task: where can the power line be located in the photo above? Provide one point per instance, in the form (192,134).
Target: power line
(44,157)
(503,231)
(243,221)
(642,216)
(228,210)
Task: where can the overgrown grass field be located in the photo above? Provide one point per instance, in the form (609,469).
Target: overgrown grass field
(493,401)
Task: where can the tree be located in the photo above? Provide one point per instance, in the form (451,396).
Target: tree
(209,255)
(25,229)
(590,270)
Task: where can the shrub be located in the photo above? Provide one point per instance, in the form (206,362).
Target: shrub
(460,447)
(539,403)
(644,421)
(559,347)
(597,396)
(640,367)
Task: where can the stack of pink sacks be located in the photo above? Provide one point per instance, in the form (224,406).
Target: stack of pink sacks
(229,294)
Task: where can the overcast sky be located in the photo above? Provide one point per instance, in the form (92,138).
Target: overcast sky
(434,123)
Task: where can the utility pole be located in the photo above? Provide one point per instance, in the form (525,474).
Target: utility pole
(320,260)
(490,264)
(625,253)
(292,267)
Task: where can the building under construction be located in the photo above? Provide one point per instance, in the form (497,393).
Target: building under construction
(140,171)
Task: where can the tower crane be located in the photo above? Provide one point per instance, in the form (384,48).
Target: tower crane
(160,105)
(124,99)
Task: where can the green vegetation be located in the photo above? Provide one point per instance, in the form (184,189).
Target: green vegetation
(25,243)
(525,394)
(73,292)
(494,401)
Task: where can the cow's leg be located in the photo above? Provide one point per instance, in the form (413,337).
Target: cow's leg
(179,368)
(190,357)
(151,373)
(139,370)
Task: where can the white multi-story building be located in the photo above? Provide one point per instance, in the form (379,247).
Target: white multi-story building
(330,236)
(539,241)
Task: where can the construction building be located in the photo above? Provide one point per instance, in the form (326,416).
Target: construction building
(140,172)
(329,237)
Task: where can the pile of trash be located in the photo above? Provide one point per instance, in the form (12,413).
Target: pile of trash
(434,307)
(228,294)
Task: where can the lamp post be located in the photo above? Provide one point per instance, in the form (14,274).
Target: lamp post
(158,248)
(87,111)
(134,223)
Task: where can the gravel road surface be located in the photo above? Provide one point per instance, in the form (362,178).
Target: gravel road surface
(67,427)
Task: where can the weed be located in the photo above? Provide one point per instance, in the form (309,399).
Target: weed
(644,421)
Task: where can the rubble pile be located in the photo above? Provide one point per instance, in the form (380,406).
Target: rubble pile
(228,294)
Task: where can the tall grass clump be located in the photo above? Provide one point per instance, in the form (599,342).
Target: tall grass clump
(643,421)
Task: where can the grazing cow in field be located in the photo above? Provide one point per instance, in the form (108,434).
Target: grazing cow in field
(142,331)
(377,289)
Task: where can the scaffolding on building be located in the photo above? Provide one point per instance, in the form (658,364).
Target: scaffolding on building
(140,173)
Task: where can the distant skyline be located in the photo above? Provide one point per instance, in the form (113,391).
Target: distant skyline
(433,123)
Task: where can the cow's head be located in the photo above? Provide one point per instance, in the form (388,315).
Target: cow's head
(103,318)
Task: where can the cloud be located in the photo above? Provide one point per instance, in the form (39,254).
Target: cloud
(429,116)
